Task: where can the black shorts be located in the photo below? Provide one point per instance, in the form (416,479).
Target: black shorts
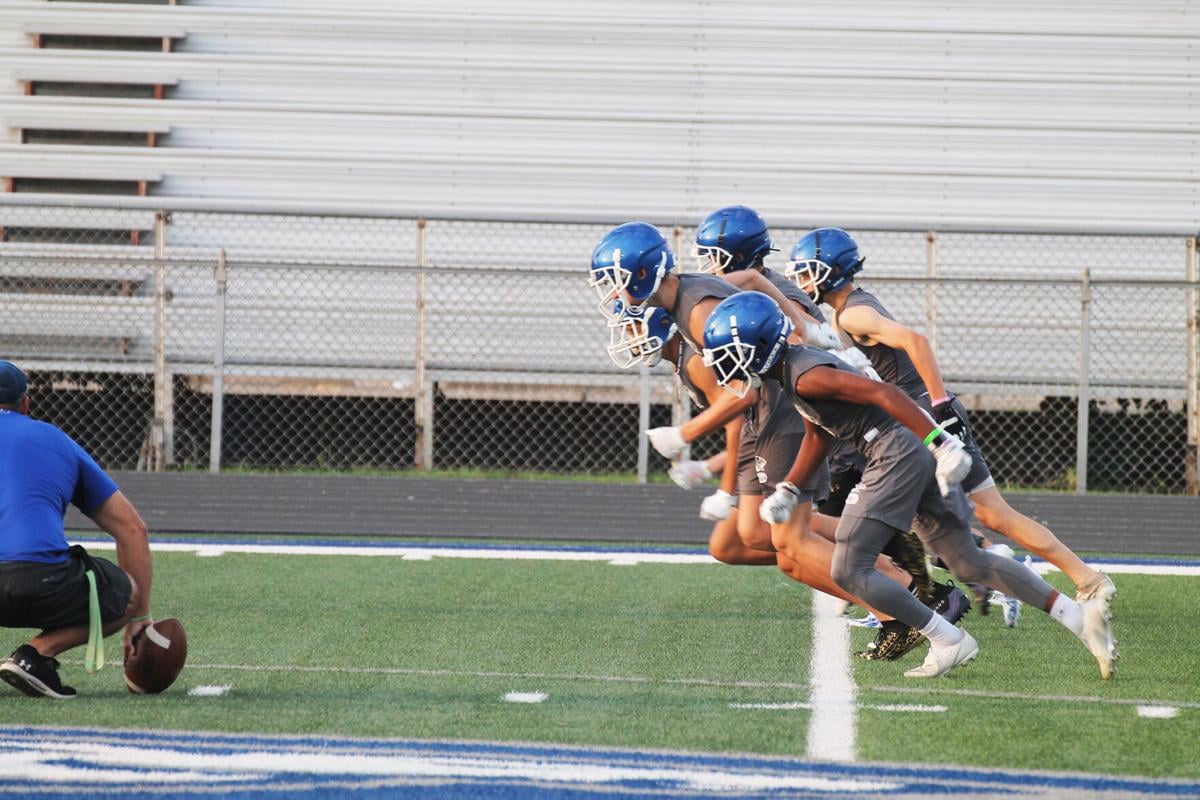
(52,596)
(840,484)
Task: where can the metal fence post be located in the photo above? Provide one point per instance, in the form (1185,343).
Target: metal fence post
(643,446)
(218,381)
(163,426)
(1085,358)
(1193,370)
(931,290)
(423,405)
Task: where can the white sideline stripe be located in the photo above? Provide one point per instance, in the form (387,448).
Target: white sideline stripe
(209,691)
(798,706)
(1041,698)
(620,557)
(1157,712)
(525,697)
(832,699)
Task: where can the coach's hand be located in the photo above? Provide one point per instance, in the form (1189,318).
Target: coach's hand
(133,631)
(689,474)
(777,509)
(717,506)
(953,463)
(667,441)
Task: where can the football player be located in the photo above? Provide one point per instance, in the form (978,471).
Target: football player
(823,263)
(747,336)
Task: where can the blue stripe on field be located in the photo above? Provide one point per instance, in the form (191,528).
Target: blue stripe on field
(352,544)
(914,781)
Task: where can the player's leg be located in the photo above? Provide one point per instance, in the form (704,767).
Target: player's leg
(727,546)
(992,510)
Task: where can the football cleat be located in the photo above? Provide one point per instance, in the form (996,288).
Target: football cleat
(893,641)
(1097,635)
(34,674)
(983,597)
(1101,587)
(1010,607)
(949,601)
(940,660)
(869,621)
(909,554)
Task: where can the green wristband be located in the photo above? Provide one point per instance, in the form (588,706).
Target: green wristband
(933,434)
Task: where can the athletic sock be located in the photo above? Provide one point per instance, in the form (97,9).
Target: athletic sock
(1067,613)
(941,633)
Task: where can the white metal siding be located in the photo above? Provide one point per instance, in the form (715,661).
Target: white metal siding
(1067,113)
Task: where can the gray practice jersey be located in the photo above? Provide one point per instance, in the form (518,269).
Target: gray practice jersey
(699,401)
(893,365)
(848,421)
(694,287)
(794,293)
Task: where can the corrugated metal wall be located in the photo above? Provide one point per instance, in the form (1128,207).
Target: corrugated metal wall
(1066,114)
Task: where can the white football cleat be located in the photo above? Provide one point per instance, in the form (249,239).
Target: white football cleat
(1097,635)
(1101,588)
(1010,607)
(940,660)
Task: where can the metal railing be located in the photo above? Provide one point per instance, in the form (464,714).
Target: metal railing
(167,339)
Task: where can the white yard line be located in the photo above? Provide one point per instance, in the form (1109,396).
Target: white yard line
(616,557)
(831,725)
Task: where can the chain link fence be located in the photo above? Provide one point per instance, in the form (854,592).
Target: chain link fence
(215,340)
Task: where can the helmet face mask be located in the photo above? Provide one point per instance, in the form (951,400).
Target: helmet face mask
(808,274)
(711,259)
(731,364)
(638,340)
(823,261)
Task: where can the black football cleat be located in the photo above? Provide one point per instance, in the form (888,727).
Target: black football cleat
(34,674)
(893,641)
(949,601)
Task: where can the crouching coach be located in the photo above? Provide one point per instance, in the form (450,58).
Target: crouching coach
(72,597)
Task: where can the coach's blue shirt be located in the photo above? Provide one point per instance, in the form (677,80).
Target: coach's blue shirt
(41,470)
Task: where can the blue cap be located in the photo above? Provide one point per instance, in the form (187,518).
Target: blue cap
(13,384)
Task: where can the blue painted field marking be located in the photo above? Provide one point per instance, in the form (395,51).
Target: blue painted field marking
(307,766)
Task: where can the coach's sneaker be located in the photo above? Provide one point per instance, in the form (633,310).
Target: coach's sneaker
(940,660)
(1101,587)
(1097,634)
(949,601)
(1009,606)
(34,674)
(893,641)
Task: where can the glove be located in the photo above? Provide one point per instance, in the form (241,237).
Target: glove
(822,336)
(857,359)
(689,474)
(778,507)
(716,506)
(953,463)
(667,441)
(950,418)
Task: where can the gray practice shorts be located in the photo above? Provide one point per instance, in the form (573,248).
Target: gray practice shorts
(898,486)
(765,458)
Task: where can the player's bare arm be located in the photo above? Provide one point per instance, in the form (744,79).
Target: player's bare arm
(723,406)
(823,383)
(867,326)
(814,448)
(753,281)
(117,517)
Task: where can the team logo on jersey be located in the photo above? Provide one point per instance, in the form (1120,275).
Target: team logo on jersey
(760,467)
(852,497)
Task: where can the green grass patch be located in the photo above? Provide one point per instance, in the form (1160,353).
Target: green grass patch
(1039,659)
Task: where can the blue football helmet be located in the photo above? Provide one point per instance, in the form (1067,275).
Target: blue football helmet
(628,265)
(731,239)
(823,261)
(638,339)
(744,337)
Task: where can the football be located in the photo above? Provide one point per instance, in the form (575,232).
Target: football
(161,649)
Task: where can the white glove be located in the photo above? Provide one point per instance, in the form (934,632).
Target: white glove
(667,441)
(857,359)
(779,506)
(689,474)
(716,506)
(953,463)
(822,336)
